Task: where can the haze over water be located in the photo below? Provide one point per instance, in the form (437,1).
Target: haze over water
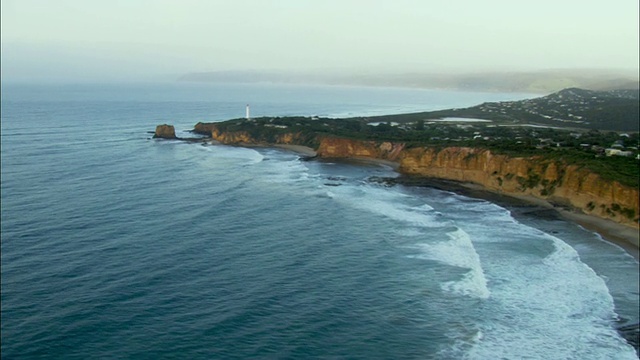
(124,41)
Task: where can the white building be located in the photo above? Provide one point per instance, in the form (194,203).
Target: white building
(617,152)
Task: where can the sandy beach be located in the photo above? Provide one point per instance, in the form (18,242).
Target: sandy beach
(304,150)
(624,236)
(621,235)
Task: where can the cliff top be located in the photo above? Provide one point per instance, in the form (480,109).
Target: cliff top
(514,128)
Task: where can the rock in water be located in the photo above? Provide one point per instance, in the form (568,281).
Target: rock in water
(165,131)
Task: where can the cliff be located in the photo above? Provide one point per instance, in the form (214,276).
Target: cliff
(242,137)
(567,185)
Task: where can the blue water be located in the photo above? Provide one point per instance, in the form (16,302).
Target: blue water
(118,246)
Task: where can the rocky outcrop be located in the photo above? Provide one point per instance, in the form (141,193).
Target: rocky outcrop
(569,185)
(331,147)
(204,128)
(236,137)
(165,132)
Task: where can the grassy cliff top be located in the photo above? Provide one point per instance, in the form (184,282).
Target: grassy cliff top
(573,126)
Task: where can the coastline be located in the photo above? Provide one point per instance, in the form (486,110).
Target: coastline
(623,236)
(620,235)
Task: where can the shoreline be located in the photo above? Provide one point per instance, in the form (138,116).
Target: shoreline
(610,231)
(620,235)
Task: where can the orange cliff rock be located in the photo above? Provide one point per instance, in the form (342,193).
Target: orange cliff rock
(534,176)
(165,131)
(331,147)
(243,137)
(542,178)
(238,137)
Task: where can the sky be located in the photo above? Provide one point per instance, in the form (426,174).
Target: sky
(149,39)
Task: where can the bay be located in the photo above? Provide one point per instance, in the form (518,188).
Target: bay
(115,245)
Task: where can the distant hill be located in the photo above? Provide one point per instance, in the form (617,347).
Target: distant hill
(615,110)
(543,82)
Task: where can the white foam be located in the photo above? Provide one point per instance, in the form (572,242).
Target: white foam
(537,299)
(387,203)
(424,207)
(620,249)
(459,251)
(413,221)
(578,281)
(544,302)
(555,307)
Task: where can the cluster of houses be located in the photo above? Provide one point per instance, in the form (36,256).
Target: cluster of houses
(616,149)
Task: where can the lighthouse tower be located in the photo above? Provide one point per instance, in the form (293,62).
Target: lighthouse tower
(247,114)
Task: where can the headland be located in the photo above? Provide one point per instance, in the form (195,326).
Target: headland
(627,237)
(552,152)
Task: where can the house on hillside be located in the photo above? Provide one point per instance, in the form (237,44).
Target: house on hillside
(617,152)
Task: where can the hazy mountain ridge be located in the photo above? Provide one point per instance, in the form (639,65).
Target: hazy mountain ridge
(532,82)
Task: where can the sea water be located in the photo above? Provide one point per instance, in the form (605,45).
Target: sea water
(115,245)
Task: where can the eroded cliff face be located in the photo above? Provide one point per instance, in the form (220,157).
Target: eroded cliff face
(535,176)
(542,178)
(243,137)
(237,137)
(336,148)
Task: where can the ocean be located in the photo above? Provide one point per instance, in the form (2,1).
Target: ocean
(116,245)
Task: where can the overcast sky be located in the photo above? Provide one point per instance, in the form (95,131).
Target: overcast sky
(125,39)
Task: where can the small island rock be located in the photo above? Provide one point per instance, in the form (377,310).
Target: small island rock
(165,131)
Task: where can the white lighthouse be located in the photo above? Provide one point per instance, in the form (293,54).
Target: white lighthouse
(247,113)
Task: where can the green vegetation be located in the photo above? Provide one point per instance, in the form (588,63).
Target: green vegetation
(628,213)
(617,110)
(581,148)
(585,148)
(622,169)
